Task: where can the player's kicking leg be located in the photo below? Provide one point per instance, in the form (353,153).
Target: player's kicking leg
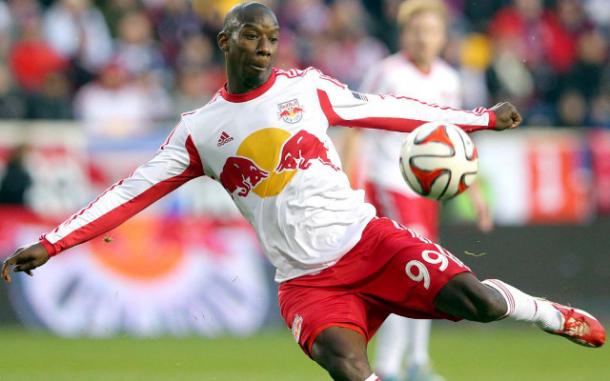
(490,300)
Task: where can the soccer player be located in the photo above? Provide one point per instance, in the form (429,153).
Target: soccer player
(415,71)
(341,270)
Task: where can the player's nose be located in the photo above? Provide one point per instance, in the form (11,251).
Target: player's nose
(264,47)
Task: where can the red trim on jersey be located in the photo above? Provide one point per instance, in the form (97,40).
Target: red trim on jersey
(492,119)
(381,123)
(249,95)
(48,246)
(121,213)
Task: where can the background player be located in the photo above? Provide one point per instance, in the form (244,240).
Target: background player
(341,269)
(416,71)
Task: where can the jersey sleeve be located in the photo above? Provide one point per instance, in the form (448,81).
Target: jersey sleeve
(344,107)
(175,163)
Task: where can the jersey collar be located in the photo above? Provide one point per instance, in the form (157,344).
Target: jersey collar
(421,71)
(249,95)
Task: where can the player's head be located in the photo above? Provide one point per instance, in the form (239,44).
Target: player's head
(249,40)
(423,29)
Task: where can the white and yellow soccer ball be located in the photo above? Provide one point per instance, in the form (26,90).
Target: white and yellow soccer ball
(438,160)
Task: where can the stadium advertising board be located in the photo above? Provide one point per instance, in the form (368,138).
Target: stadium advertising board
(151,276)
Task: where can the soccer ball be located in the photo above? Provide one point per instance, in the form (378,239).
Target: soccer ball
(438,160)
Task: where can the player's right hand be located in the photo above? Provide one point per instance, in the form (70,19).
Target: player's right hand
(25,259)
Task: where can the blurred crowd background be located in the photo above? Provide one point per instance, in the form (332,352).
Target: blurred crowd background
(124,66)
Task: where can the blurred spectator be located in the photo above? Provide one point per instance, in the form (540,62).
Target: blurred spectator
(572,108)
(591,60)
(113,106)
(12,105)
(15,180)
(563,26)
(175,21)
(194,89)
(195,53)
(600,111)
(32,58)
(5,29)
(114,10)
(135,47)
(522,23)
(508,76)
(346,52)
(52,101)
(157,99)
(475,58)
(598,11)
(78,31)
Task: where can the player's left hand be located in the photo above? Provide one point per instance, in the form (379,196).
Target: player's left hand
(25,259)
(507,116)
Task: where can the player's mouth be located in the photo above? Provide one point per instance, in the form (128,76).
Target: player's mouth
(258,67)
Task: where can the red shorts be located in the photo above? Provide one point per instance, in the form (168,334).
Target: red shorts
(416,212)
(391,270)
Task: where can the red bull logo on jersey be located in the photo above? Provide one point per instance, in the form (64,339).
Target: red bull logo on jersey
(267,160)
(300,150)
(291,111)
(240,173)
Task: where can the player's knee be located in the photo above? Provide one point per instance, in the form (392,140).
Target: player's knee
(490,306)
(466,297)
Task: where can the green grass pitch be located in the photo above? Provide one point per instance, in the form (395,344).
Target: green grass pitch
(462,352)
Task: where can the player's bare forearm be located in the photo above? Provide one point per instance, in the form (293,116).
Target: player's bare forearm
(25,259)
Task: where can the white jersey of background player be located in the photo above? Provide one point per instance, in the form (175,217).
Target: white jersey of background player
(418,72)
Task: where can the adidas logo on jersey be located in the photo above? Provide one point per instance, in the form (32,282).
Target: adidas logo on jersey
(224,139)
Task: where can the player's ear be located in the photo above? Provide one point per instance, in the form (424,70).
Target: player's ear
(223,41)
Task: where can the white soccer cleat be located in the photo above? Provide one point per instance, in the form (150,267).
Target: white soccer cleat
(580,327)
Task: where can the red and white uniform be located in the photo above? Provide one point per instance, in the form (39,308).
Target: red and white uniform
(386,188)
(269,148)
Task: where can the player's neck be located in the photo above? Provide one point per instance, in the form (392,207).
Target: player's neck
(240,85)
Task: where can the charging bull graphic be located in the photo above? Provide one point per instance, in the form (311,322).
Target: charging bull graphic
(269,158)
(241,173)
(300,150)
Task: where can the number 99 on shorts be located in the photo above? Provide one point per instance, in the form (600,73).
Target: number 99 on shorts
(418,272)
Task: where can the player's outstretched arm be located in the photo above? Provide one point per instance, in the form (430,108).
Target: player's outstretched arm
(344,107)
(25,259)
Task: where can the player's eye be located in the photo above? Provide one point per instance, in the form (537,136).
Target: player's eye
(273,39)
(250,36)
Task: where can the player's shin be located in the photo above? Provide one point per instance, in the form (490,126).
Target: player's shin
(524,307)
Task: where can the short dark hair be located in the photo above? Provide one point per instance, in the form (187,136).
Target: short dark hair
(234,18)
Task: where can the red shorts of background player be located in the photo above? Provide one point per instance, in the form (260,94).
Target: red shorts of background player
(391,270)
(407,208)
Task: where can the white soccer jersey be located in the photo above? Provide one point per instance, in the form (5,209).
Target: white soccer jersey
(398,75)
(270,150)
